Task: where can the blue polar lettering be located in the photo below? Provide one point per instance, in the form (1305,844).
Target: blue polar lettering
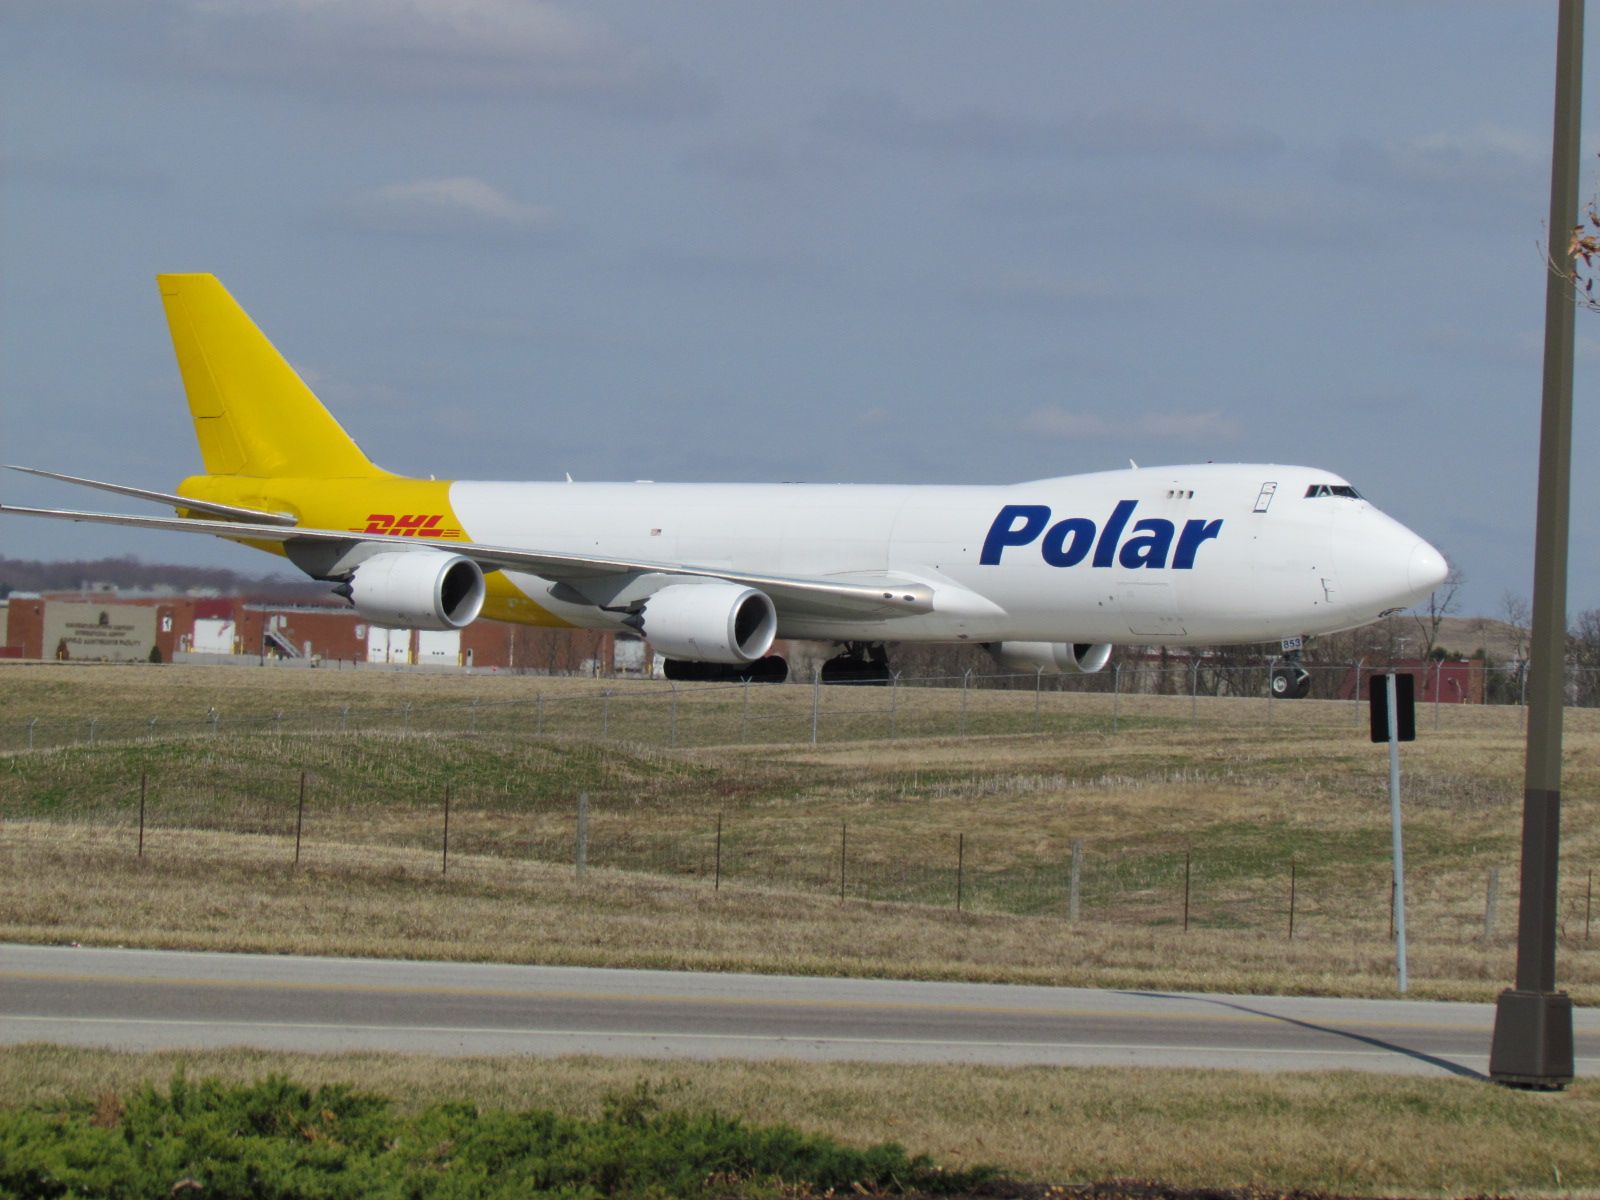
(1149,549)
(1194,532)
(1006,532)
(1068,542)
(1056,549)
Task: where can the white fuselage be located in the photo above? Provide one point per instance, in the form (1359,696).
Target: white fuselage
(1168,555)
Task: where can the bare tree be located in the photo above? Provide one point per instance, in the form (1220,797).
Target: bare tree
(1517,616)
(1583,659)
(1442,601)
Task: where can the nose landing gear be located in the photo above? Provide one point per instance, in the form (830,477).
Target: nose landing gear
(1289,679)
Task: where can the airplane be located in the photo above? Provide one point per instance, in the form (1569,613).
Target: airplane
(1048,575)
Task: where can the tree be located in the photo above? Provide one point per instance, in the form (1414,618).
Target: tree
(1442,601)
(1517,615)
(1583,657)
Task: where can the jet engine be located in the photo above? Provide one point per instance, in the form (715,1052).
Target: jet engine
(708,622)
(417,589)
(1057,658)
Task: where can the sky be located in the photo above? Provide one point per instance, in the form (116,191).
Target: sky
(837,242)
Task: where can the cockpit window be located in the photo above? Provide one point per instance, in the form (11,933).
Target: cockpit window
(1332,489)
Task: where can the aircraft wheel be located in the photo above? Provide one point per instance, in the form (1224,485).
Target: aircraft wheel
(1290,683)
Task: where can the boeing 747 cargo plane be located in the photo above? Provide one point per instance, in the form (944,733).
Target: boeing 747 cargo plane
(1046,574)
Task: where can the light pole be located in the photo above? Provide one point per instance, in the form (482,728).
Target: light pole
(1532,1046)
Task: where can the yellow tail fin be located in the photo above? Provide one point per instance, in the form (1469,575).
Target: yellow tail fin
(252,414)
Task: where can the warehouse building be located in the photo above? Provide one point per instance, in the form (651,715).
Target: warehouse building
(107,626)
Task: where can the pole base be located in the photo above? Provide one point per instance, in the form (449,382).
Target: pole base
(1532,1045)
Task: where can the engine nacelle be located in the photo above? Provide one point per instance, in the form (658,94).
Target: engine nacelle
(709,622)
(1056,658)
(417,589)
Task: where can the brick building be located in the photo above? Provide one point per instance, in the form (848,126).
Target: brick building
(113,627)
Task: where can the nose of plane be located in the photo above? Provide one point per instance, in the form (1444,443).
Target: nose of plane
(1427,569)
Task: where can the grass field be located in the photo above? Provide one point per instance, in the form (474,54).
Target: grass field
(1344,1132)
(911,821)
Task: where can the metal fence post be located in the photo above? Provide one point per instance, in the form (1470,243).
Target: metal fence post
(31,724)
(844,829)
(1186,891)
(583,834)
(961,863)
(894,706)
(1491,903)
(538,704)
(1194,689)
(405,720)
(1038,697)
(150,729)
(344,718)
(1075,881)
(966,679)
(1522,695)
(716,883)
(143,780)
(474,718)
(93,721)
(816,700)
(1116,695)
(605,712)
(444,859)
(1292,882)
(744,711)
(674,730)
(299,818)
(1438,687)
(215,718)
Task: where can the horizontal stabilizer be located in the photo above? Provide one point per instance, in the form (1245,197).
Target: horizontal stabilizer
(228,512)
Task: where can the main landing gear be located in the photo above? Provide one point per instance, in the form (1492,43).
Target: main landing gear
(771,669)
(859,662)
(1290,680)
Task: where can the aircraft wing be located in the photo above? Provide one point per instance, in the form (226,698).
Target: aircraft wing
(870,597)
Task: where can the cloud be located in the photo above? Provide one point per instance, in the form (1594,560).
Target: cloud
(1119,131)
(1485,159)
(429,47)
(1053,421)
(458,204)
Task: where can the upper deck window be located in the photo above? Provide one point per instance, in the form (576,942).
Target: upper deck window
(1332,489)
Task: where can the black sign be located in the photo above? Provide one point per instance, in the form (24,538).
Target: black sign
(1405,693)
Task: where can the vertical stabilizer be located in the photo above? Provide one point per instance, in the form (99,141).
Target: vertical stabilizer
(253,415)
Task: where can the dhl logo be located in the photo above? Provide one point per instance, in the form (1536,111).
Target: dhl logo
(407,525)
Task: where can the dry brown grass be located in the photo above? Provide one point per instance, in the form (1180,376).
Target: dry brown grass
(1241,799)
(1339,1131)
(215,891)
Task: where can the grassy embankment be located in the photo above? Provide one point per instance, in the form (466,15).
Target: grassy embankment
(1346,1133)
(1241,797)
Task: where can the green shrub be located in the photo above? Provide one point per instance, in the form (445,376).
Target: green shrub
(276,1139)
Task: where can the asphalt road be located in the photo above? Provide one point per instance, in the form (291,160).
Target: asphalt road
(150,999)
